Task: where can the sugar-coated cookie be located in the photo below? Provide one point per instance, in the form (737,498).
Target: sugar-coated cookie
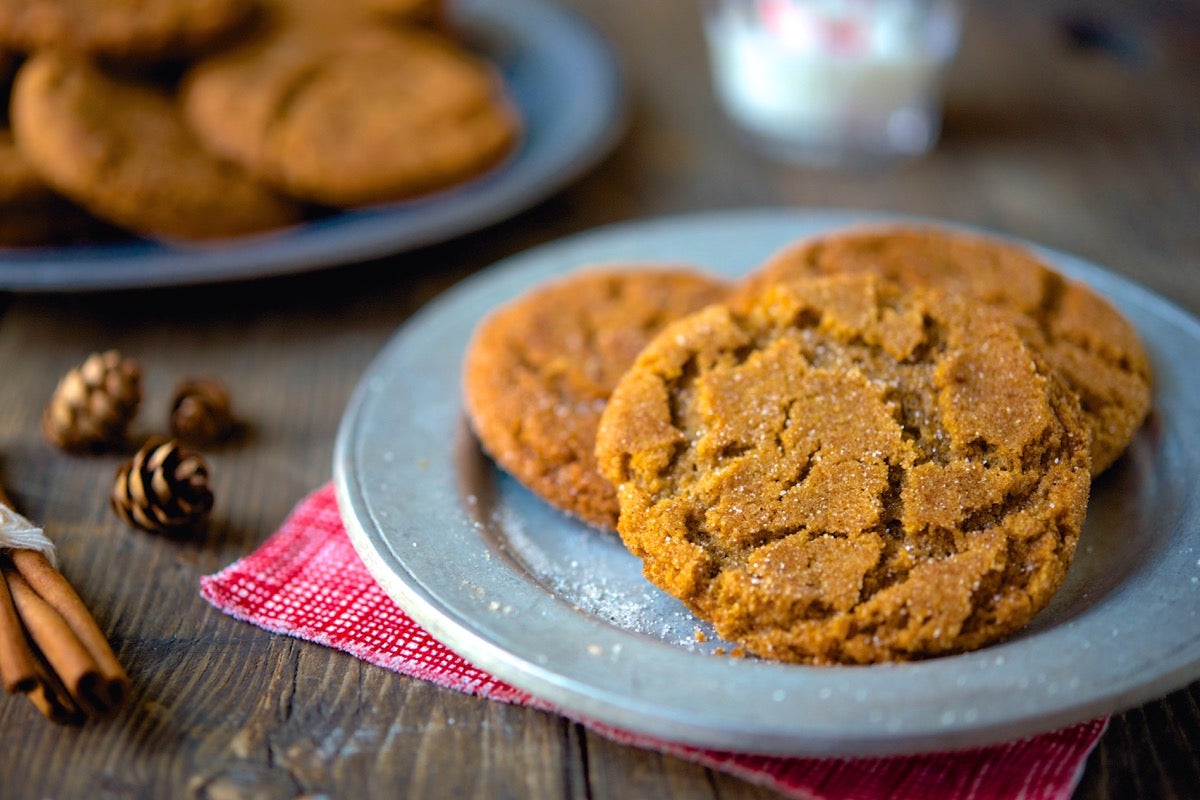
(539,370)
(842,471)
(1091,344)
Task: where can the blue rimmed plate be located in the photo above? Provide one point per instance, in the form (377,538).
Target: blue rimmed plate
(562,77)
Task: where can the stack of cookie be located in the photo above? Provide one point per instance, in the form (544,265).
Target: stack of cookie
(201,119)
(877,447)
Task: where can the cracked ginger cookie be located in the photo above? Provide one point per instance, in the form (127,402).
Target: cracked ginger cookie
(1089,342)
(845,472)
(539,369)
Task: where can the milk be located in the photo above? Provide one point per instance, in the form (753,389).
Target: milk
(826,81)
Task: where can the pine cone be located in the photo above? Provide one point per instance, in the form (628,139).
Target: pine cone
(162,489)
(94,403)
(200,412)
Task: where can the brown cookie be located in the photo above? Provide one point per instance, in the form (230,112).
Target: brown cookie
(118,28)
(30,213)
(19,183)
(324,12)
(1095,348)
(431,12)
(122,151)
(351,114)
(539,369)
(843,472)
(20,190)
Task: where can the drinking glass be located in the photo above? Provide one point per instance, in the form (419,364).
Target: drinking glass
(833,82)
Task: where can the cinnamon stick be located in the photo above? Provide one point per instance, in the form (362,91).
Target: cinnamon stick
(55,706)
(23,672)
(90,669)
(18,666)
(51,649)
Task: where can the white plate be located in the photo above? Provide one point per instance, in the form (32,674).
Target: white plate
(563,79)
(562,611)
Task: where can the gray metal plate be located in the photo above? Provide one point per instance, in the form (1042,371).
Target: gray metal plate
(562,611)
(564,80)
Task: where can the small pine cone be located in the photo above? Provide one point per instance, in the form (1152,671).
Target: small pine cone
(162,489)
(200,412)
(94,403)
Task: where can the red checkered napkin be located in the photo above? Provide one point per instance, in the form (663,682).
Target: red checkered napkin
(308,581)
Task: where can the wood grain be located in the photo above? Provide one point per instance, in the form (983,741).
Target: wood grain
(1073,124)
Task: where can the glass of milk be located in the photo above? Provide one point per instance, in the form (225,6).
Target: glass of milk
(833,82)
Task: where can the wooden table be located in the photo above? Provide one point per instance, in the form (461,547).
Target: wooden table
(1073,124)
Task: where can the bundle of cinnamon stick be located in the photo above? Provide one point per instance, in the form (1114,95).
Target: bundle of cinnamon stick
(51,649)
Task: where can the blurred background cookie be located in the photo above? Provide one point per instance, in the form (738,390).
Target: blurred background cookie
(417,12)
(290,105)
(31,213)
(122,151)
(120,29)
(351,114)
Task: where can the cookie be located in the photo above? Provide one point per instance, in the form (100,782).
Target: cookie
(1095,348)
(122,151)
(539,369)
(352,114)
(20,187)
(30,213)
(119,29)
(843,472)
(19,183)
(430,12)
(326,13)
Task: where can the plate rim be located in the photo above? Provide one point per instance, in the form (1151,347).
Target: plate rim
(531,175)
(614,708)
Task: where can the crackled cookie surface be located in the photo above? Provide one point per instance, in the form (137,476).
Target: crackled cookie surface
(539,370)
(846,473)
(1093,347)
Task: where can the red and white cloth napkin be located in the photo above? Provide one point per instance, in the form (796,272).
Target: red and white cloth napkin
(307,581)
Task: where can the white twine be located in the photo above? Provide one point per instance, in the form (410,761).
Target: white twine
(18,533)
